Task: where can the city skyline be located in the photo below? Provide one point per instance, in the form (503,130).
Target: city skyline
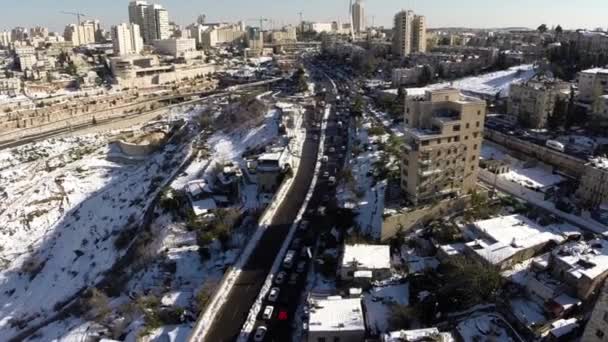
(440,13)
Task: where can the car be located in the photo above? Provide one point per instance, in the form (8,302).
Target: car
(260,333)
(325,159)
(288,261)
(274,294)
(280,278)
(325,174)
(332,181)
(267,315)
(301,267)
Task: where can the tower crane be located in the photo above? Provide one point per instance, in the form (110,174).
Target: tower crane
(76,14)
(261,20)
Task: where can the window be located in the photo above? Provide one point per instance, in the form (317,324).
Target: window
(457,128)
(425,143)
(473,158)
(457,139)
(438,153)
(475,135)
(407,110)
(449,140)
(407,121)
(475,147)
(477,124)
(478,112)
(599,333)
(606,316)
(466,137)
(473,168)
(468,126)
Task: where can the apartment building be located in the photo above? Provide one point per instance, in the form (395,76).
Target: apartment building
(592,83)
(177,47)
(358,12)
(532,102)
(80,34)
(5,39)
(444,132)
(409,33)
(593,188)
(152,19)
(127,40)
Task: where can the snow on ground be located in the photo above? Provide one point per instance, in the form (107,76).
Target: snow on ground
(378,304)
(528,312)
(364,193)
(171,333)
(67,204)
(487,84)
(485,327)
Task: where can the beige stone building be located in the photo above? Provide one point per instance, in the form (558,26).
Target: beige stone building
(409,33)
(597,327)
(593,188)
(444,132)
(592,84)
(532,102)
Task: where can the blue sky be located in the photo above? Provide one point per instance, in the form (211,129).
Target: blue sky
(469,13)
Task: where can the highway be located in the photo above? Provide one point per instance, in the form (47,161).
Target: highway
(231,317)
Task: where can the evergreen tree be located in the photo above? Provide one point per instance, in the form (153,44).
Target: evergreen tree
(542,28)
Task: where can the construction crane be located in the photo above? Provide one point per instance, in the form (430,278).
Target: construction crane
(76,14)
(261,20)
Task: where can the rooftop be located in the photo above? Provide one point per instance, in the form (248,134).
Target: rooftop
(336,314)
(429,334)
(599,163)
(589,259)
(502,237)
(367,256)
(595,71)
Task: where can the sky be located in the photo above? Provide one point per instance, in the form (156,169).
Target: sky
(571,14)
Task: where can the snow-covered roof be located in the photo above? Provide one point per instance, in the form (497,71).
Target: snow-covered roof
(563,327)
(484,326)
(417,335)
(202,207)
(502,237)
(589,259)
(197,187)
(595,71)
(336,314)
(600,163)
(367,256)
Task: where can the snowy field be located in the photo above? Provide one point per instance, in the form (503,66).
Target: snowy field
(63,205)
(488,84)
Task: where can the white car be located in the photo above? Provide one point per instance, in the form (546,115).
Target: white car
(332,181)
(260,333)
(267,315)
(274,294)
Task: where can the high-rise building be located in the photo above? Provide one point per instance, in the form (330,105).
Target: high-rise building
(358,12)
(38,31)
(127,39)
(5,39)
(409,33)
(152,19)
(19,34)
(443,136)
(81,34)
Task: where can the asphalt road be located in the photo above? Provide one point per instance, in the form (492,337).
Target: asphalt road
(231,317)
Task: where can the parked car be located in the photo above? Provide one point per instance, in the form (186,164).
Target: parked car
(332,181)
(274,294)
(267,315)
(260,333)
(288,261)
(280,278)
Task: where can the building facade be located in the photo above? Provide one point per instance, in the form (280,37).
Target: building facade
(80,34)
(409,34)
(592,84)
(178,48)
(358,12)
(127,40)
(444,132)
(152,19)
(593,188)
(5,39)
(597,327)
(532,102)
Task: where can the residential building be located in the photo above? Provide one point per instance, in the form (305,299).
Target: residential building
(531,103)
(80,34)
(270,167)
(127,40)
(443,136)
(593,187)
(336,319)
(178,48)
(215,36)
(374,260)
(592,84)
(5,39)
(27,61)
(409,33)
(597,326)
(255,38)
(10,86)
(320,27)
(152,19)
(287,35)
(358,12)
(157,21)
(507,240)
(583,265)
(39,31)
(19,34)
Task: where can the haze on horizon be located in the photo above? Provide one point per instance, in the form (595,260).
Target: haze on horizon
(440,13)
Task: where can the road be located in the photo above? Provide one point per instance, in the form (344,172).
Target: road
(231,317)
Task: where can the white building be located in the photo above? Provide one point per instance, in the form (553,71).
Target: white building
(178,48)
(508,240)
(152,19)
(592,84)
(27,61)
(409,33)
(5,38)
(127,39)
(321,27)
(80,34)
(336,319)
(358,17)
(358,259)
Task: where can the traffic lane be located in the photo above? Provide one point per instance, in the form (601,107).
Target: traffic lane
(231,317)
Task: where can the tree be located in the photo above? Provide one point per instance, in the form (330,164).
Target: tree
(542,28)
(558,30)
